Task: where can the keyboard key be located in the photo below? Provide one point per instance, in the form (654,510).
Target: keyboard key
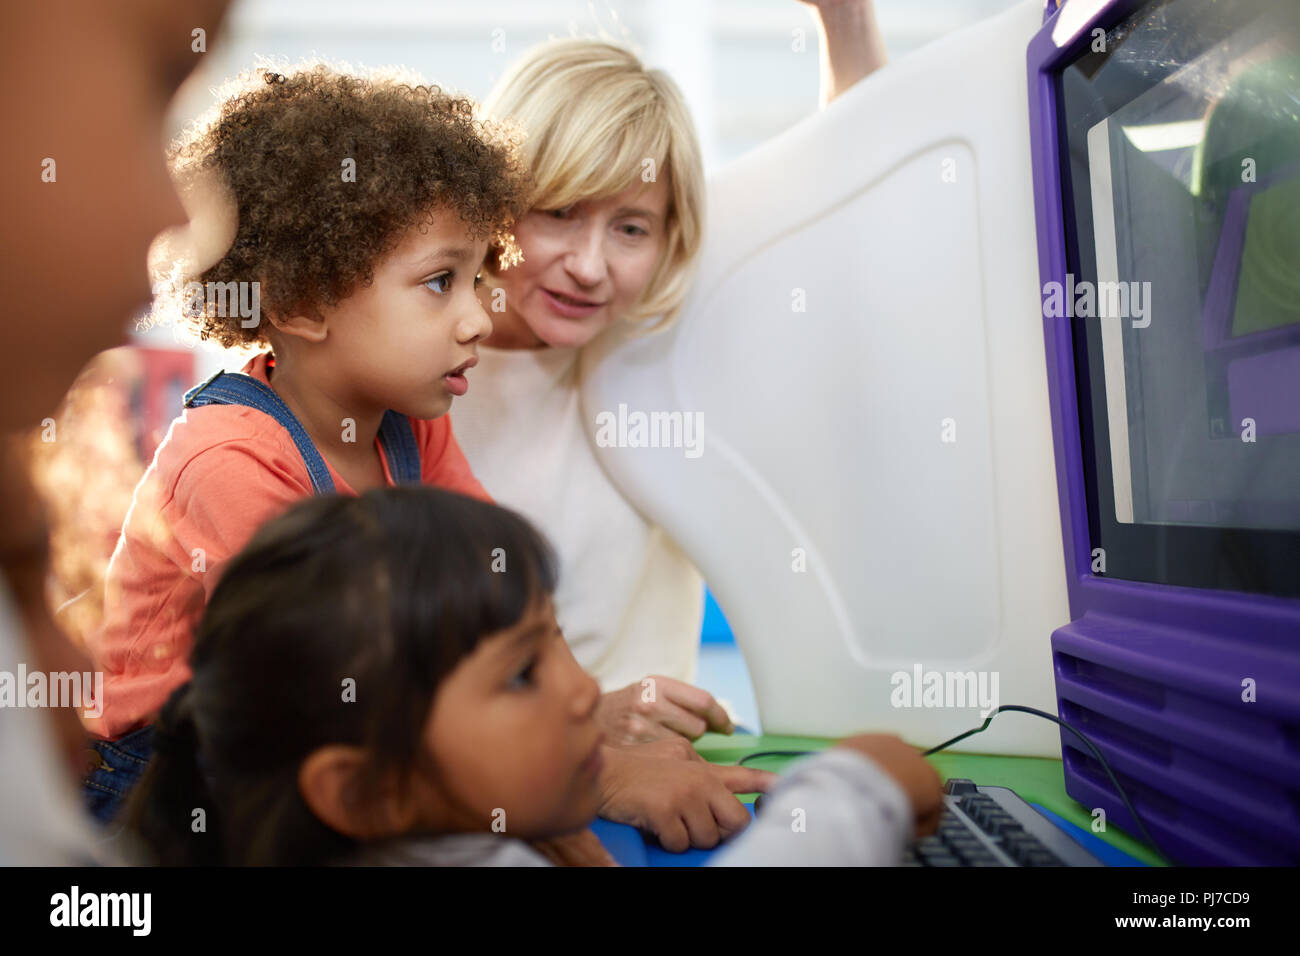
(938,858)
(960,786)
(979,857)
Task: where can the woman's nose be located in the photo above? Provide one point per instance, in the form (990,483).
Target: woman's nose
(586,260)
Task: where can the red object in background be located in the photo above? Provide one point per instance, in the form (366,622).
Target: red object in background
(165,376)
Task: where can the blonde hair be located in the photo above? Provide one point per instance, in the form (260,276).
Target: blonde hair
(591,115)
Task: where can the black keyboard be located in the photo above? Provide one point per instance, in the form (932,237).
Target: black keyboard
(993,826)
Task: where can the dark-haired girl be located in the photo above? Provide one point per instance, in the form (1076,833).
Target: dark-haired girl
(380,679)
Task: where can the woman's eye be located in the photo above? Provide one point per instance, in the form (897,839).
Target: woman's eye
(561,213)
(441,283)
(630,230)
(478,280)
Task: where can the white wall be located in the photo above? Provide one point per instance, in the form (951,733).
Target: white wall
(735,60)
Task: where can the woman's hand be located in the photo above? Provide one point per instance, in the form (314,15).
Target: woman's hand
(851,44)
(656,708)
(684,802)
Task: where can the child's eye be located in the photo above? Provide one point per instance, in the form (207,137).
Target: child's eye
(478,280)
(561,213)
(524,679)
(440,284)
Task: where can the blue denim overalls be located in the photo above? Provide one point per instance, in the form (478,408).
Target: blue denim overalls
(117,765)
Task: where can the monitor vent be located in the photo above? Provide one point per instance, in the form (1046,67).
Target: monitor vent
(1215,781)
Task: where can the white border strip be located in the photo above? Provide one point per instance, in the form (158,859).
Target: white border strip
(1112,331)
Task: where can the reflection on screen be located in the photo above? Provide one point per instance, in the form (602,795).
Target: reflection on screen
(1195,207)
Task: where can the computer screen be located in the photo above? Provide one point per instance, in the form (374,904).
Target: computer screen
(1180,138)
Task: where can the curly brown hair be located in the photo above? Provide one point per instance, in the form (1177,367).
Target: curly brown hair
(310,236)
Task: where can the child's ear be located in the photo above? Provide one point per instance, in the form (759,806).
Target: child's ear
(328,781)
(310,328)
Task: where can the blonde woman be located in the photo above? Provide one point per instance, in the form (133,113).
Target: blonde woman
(604,242)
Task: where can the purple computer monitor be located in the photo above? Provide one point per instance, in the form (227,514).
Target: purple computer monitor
(1165,139)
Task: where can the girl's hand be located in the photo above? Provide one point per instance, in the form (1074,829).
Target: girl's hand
(913,772)
(685,803)
(659,707)
(582,848)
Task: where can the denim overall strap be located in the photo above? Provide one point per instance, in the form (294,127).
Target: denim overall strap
(398,441)
(235,388)
(396,436)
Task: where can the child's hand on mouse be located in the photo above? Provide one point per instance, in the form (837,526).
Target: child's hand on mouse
(658,707)
(913,773)
(685,803)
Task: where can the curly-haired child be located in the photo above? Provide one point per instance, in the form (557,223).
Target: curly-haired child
(363,207)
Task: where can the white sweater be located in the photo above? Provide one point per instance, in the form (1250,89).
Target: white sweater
(42,822)
(629,600)
(838,808)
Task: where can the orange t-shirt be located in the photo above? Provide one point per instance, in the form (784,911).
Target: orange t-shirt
(219,475)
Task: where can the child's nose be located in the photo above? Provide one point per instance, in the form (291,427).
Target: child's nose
(475,325)
(587,696)
(586,691)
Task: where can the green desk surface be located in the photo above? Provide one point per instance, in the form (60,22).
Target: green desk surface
(1037,779)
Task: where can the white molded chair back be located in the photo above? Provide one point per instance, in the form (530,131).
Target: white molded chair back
(874,491)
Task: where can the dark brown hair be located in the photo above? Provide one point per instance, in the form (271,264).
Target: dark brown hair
(392,589)
(308,233)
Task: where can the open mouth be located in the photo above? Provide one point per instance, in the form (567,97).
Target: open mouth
(464,366)
(596,759)
(457,384)
(573,301)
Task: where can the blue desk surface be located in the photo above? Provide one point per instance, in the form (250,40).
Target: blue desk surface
(630,848)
